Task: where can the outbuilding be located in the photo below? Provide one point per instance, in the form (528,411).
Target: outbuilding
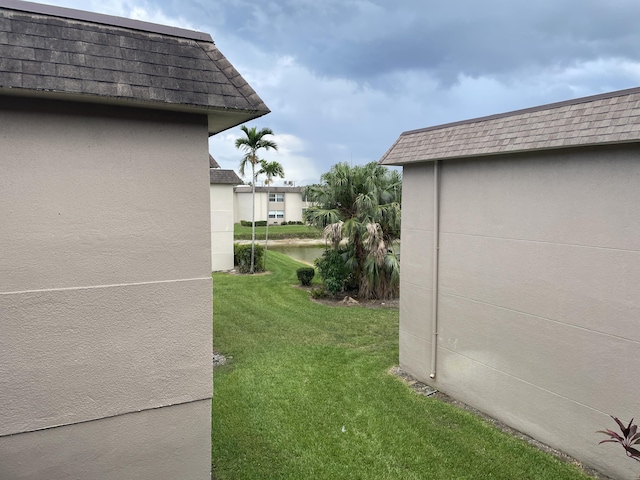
(222,200)
(520,279)
(105,265)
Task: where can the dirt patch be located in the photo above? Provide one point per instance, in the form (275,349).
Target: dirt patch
(428,391)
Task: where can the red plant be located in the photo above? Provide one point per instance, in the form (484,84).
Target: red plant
(630,436)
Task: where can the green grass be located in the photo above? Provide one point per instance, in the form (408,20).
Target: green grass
(301,371)
(276,232)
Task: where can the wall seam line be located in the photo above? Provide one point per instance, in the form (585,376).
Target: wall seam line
(105,417)
(524,381)
(544,242)
(558,322)
(114,285)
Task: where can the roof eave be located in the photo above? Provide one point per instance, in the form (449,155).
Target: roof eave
(219,119)
(386,160)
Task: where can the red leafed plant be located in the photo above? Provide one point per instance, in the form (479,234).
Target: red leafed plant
(630,436)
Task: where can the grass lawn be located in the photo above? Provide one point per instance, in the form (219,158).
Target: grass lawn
(276,232)
(306,395)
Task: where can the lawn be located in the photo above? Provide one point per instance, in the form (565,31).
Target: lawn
(276,232)
(306,395)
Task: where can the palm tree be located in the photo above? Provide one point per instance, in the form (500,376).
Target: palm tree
(250,145)
(271,170)
(362,204)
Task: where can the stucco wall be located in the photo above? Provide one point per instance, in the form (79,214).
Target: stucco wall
(539,292)
(293,207)
(105,300)
(242,206)
(221,197)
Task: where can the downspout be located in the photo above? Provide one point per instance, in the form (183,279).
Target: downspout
(436,250)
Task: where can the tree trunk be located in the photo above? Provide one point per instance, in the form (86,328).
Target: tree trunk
(266,241)
(253,216)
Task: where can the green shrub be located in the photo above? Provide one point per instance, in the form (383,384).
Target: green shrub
(285,223)
(333,271)
(319,292)
(259,223)
(305,275)
(242,257)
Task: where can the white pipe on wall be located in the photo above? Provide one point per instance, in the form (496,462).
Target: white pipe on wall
(436,251)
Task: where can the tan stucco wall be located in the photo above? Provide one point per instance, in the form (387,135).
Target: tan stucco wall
(293,207)
(221,198)
(539,292)
(105,300)
(242,206)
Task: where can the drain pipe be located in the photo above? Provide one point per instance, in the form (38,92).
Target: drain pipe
(436,250)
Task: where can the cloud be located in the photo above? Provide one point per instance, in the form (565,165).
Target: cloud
(344,78)
(298,167)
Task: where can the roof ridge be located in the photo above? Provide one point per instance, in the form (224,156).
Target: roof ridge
(229,71)
(111,20)
(548,106)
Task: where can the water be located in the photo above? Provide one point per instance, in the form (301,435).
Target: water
(301,253)
(307,253)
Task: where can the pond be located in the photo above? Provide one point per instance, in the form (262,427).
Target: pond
(301,253)
(307,253)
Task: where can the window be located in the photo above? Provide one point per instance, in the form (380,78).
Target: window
(276,197)
(276,213)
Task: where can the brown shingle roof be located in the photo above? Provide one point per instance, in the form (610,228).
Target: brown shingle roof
(56,51)
(601,119)
(218,176)
(273,189)
(213,163)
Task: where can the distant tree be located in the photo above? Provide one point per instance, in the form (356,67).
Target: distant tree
(250,144)
(271,170)
(362,205)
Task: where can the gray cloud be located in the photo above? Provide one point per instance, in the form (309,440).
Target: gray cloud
(366,40)
(344,78)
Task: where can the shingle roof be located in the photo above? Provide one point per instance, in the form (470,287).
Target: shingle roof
(219,176)
(213,163)
(60,52)
(600,119)
(247,189)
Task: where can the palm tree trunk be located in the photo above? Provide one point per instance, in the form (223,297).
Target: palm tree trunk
(266,241)
(253,216)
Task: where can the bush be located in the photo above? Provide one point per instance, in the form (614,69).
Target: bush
(318,292)
(285,223)
(305,275)
(333,271)
(242,257)
(259,223)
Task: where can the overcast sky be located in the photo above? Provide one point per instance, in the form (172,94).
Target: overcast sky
(343,78)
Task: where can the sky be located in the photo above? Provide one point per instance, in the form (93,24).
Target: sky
(344,78)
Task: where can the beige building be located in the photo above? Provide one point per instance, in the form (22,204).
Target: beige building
(105,266)
(278,204)
(221,197)
(520,283)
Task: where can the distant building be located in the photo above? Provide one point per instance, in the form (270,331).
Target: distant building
(221,199)
(280,204)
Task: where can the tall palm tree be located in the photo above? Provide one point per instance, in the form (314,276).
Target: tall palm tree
(250,144)
(271,170)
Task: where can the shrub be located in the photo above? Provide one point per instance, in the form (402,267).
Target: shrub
(318,292)
(285,223)
(305,275)
(333,271)
(259,223)
(630,436)
(242,257)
